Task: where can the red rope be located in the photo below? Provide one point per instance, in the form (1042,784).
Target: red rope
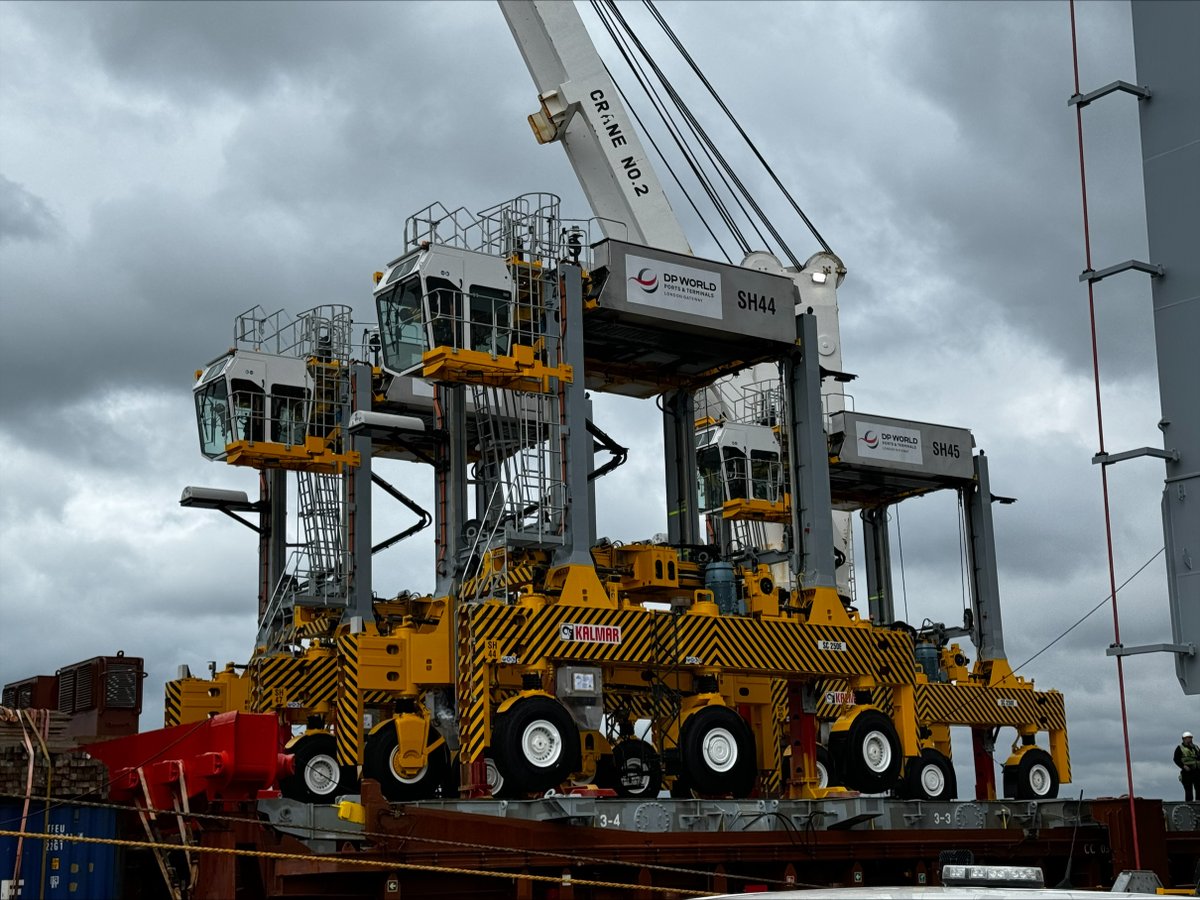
(1112,576)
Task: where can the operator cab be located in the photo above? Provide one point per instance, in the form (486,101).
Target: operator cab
(443,296)
(738,462)
(250,396)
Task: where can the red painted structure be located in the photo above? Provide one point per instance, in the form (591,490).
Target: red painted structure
(230,757)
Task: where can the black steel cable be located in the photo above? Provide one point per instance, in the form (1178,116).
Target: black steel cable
(672,129)
(697,134)
(682,106)
(716,158)
(670,169)
(699,74)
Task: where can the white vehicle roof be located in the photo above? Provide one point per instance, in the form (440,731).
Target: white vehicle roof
(918,893)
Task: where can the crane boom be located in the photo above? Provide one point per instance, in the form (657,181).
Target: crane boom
(602,144)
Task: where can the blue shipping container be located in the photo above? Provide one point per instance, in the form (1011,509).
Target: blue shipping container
(74,871)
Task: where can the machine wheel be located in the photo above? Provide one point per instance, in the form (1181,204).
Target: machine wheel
(318,777)
(536,745)
(929,776)
(826,772)
(869,752)
(636,769)
(1034,777)
(380,761)
(717,752)
(495,781)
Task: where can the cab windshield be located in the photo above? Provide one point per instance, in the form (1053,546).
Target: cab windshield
(400,325)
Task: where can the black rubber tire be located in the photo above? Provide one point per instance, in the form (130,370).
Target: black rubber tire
(377,763)
(825,760)
(634,770)
(500,789)
(681,790)
(716,751)
(534,718)
(869,753)
(1034,777)
(929,776)
(316,761)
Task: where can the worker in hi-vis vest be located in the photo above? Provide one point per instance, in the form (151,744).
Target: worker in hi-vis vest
(1187,757)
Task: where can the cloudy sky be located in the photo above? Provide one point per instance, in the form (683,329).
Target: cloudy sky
(164,167)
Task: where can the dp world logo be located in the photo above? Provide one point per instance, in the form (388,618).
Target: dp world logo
(646,279)
(871,439)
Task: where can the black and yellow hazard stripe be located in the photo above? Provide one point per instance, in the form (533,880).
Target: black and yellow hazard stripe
(472,693)
(734,644)
(172,703)
(304,681)
(489,582)
(349,708)
(779,698)
(958,704)
(322,626)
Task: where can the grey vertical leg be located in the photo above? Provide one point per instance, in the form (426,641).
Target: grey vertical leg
(987,630)
(576,443)
(679,445)
(358,506)
(812,526)
(878,557)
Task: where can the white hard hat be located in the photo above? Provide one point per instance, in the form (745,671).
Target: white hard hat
(1187,734)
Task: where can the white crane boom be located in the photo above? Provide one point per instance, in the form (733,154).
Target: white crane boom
(582,110)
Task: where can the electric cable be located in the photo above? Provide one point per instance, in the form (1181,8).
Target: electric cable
(1087,614)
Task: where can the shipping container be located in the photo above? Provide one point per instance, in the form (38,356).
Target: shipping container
(59,869)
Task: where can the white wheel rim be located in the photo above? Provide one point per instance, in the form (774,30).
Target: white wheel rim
(541,744)
(495,781)
(399,775)
(719,750)
(634,777)
(822,775)
(877,752)
(1040,780)
(321,774)
(933,780)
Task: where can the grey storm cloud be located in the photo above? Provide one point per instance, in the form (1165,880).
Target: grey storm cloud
(198,159)
(24,216)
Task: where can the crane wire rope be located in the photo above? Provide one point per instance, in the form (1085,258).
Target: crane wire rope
(715,156)
(670,169)
(697,130)
(673,129)
(1108,539)
(736,124)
